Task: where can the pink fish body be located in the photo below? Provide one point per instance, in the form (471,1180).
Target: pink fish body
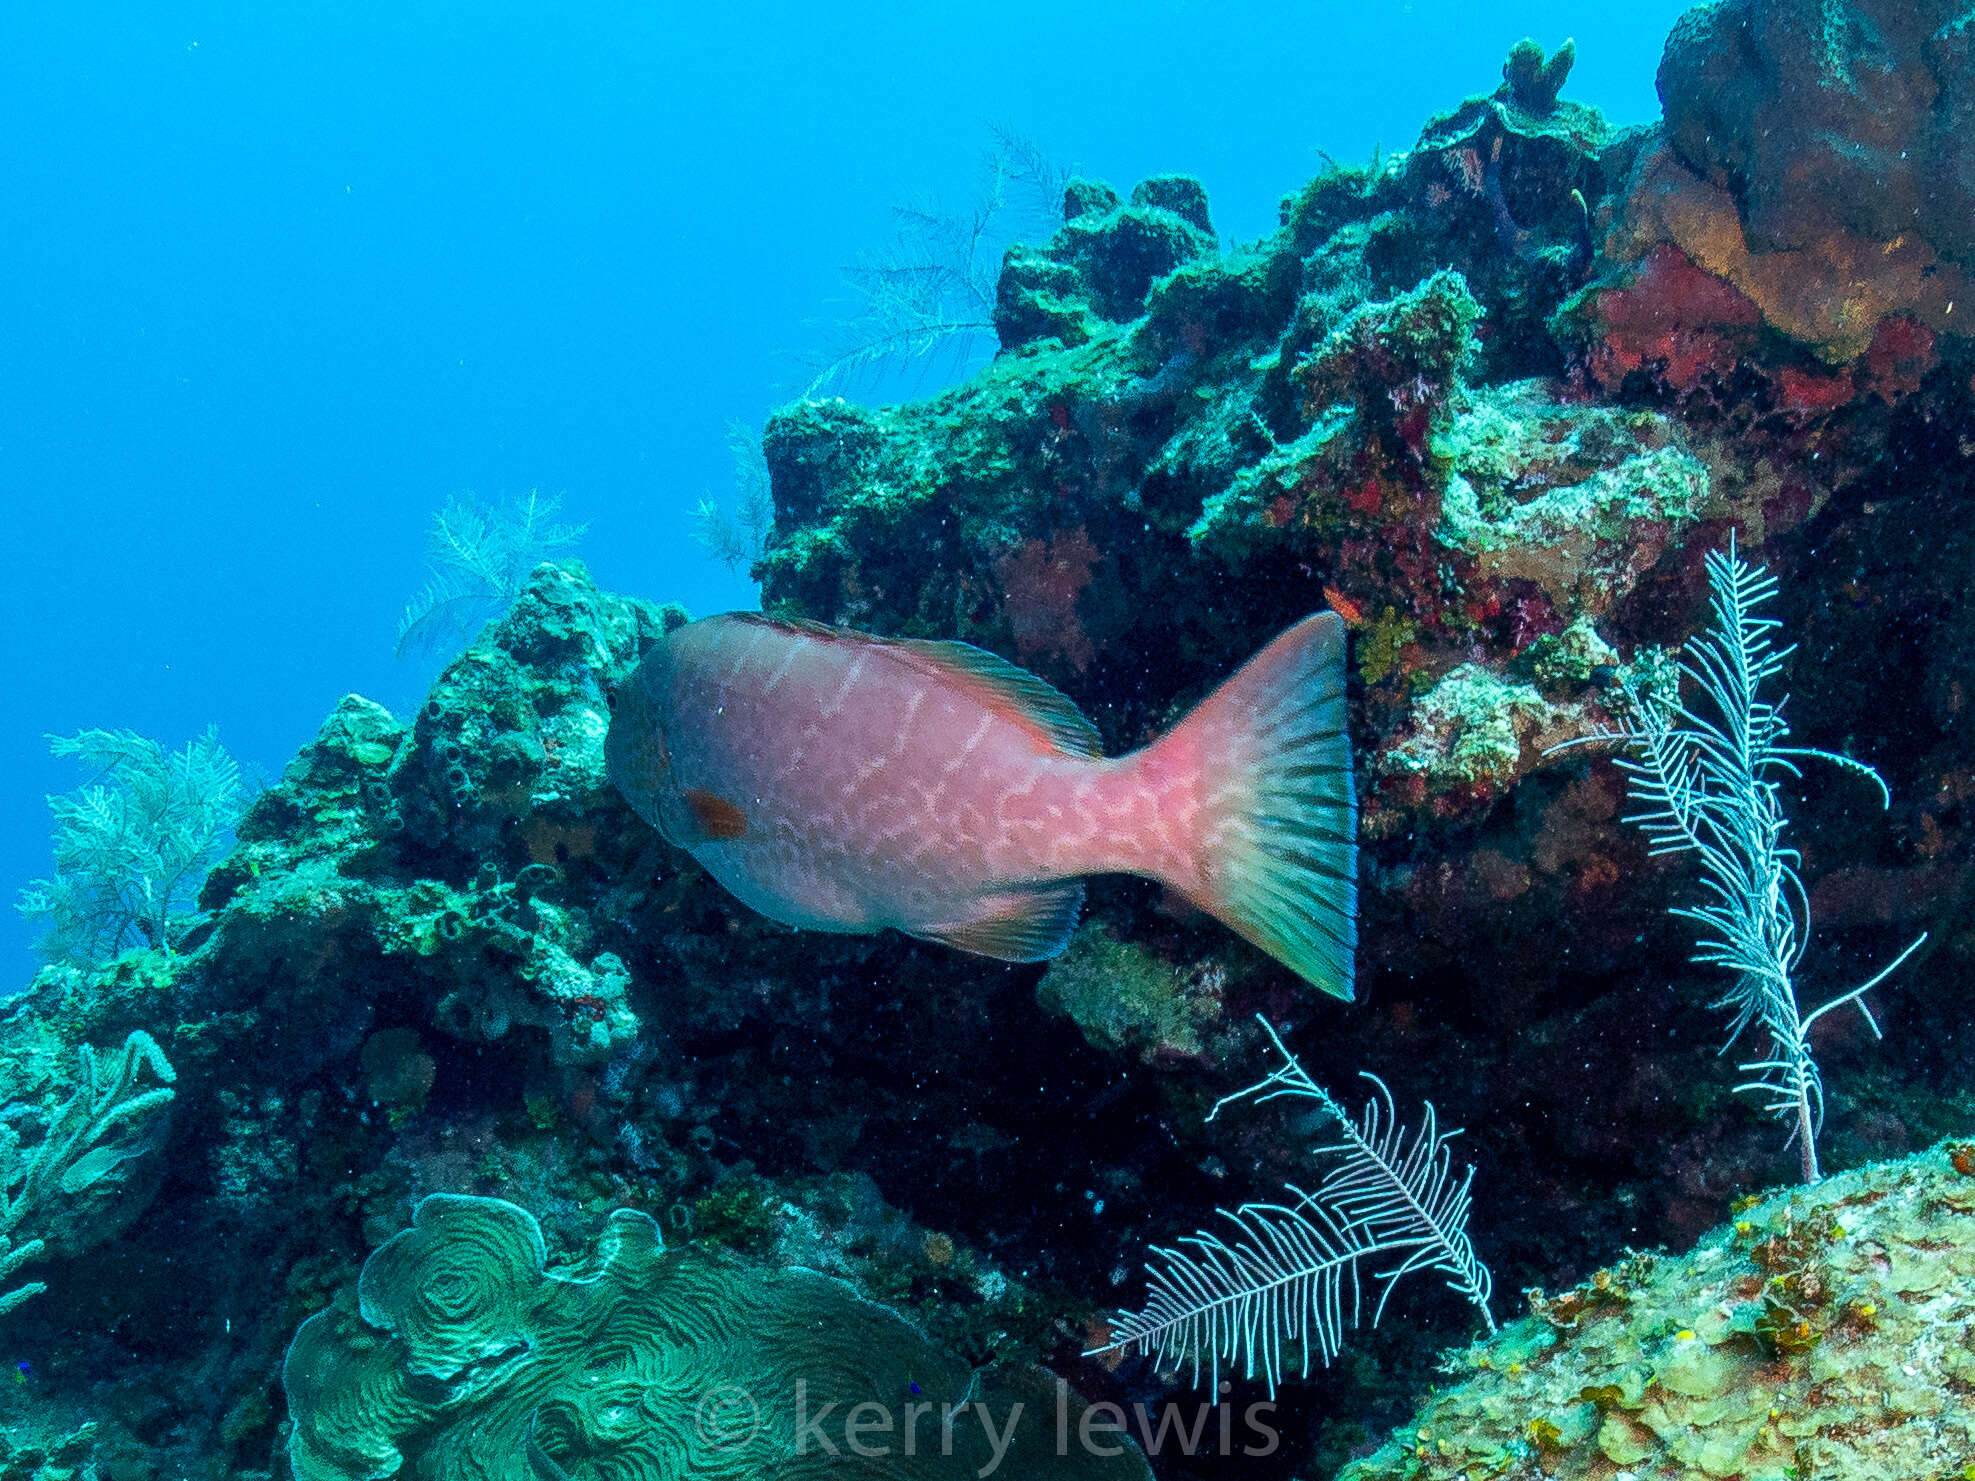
(838,781)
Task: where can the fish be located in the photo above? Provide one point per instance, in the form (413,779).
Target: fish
(836,780)
(1343,606)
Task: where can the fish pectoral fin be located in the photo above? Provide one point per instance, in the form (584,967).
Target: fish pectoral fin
(1029,925)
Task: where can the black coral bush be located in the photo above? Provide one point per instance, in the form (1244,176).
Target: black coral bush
(738,537)
(926,301)
(1707,775)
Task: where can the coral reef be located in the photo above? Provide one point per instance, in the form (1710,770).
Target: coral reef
(83,1174)
(1813,176)
(1097,271)
(446,958)
(1480,399)
(1580,502)
(1826,1332)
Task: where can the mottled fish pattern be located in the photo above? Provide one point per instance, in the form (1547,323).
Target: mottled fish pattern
(837,781)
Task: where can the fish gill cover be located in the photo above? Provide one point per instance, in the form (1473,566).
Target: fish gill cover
(1492,401)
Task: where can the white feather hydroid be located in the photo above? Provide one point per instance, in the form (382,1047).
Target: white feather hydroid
(1291,1271)
(1707,777)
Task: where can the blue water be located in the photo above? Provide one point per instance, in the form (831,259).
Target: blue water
(275,279)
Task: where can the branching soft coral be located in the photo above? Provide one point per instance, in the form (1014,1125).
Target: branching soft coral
(58,1179)
(132,844)
(481,558)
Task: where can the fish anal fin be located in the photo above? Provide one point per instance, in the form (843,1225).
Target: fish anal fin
(1006,688)
(715,815)
(1029,925)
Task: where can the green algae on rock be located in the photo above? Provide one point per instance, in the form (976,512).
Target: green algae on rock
(1476,730)
(1579,501)
(446,846)
(1123,998)
(467,1354)
(1103,262)
(1829,1332)
(1423,337)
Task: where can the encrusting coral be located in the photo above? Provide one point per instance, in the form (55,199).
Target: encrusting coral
(1827,1332)
(1814,166)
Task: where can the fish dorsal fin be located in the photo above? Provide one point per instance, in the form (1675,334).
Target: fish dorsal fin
(1014,691)
(807,626)
(1011,690)
(1029,925)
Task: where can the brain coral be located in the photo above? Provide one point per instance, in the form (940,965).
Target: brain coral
(468,1356)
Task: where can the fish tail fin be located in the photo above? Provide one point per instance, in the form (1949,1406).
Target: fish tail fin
(1277,839)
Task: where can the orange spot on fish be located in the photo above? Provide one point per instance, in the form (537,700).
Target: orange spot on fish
(716,816)
(1343,606)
